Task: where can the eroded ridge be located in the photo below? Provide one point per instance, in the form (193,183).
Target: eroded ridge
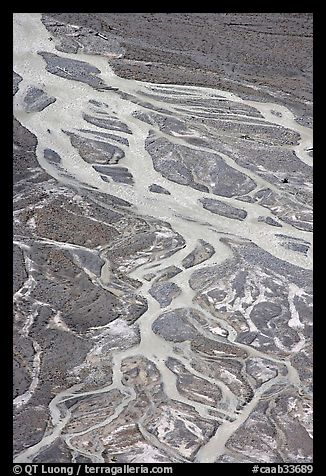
(162,264)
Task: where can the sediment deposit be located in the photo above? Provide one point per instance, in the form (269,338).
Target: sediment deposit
(162,239)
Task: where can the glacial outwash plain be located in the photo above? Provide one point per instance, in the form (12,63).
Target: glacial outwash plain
(162,237)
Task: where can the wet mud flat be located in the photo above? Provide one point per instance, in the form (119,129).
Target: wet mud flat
(162,238)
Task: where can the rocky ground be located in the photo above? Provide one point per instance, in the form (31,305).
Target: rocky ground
(162,237)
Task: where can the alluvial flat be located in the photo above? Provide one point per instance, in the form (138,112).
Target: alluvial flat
(162,238)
